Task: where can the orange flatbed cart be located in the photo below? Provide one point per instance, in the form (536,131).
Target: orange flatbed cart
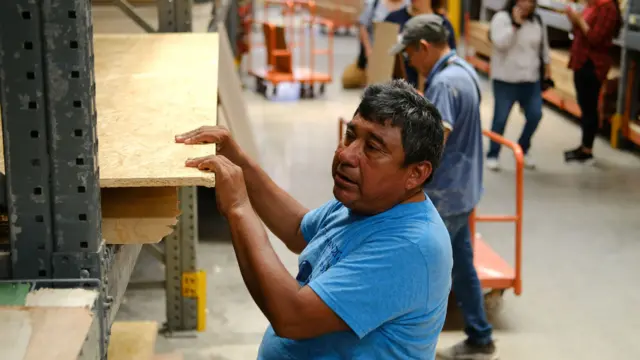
(281,43)
(495,273)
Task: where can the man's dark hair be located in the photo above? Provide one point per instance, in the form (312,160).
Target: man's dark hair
(398,104)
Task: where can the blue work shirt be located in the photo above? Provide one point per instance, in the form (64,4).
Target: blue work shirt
(388,276)
(452,86)
(401,17)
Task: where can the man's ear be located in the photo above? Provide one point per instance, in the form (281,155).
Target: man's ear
(418,174)
(424,45)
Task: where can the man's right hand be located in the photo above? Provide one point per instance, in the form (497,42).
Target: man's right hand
(219,135)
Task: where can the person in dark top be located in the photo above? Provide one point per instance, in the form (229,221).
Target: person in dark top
(402,15)
(593,32)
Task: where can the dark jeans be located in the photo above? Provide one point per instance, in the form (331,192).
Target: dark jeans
(588,91)
(466,285)
(529,96)
(362,58)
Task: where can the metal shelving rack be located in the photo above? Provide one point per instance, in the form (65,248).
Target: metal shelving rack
(622,126)
(47,97)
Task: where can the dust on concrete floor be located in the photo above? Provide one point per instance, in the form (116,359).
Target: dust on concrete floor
(580,234)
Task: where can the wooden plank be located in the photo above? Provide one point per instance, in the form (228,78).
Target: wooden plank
(36,333)
(150,87)
(132,340)
(138,215)
(381,65)
(231,98)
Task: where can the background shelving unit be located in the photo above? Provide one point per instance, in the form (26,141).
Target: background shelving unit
(621,78)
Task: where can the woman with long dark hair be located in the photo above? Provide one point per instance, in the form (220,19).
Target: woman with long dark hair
(519,67)
(594,30)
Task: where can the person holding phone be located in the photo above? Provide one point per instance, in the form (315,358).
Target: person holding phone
(519,67)
(593,32)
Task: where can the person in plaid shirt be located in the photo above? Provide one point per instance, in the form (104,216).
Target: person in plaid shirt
(593,30)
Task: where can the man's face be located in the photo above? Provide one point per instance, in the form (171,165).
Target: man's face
(421,6)
(368,172)
(421,57)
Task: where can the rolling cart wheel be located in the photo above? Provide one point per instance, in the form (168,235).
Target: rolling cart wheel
(494,301)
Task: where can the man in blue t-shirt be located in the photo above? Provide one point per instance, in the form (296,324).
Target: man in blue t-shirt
(375,262)
(452,86)
(419,7)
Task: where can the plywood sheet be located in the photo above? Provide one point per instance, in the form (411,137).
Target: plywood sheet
(132,340)
(138,215)
(381,65)
(36,333)
(149,88)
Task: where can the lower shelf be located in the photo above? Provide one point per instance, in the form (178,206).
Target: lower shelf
(493,271)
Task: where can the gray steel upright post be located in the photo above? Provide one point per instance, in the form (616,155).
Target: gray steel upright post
(50,143)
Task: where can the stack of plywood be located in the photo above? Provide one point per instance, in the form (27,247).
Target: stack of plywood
(340,12)
(479,38)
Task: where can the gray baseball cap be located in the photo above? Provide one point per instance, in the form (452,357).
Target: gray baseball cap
(428,27)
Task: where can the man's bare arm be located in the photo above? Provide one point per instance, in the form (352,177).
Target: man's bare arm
(294,312)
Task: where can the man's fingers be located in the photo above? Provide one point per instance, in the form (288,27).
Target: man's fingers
(195,162)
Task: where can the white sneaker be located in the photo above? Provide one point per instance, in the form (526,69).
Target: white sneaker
(493,164)
(529,163)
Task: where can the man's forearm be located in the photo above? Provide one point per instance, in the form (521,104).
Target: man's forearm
(270,284)
(278,210)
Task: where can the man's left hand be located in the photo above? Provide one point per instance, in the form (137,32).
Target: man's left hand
(231,191)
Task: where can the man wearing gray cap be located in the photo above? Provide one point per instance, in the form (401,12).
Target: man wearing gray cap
(452,85)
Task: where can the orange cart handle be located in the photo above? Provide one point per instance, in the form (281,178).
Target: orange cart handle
(518,155)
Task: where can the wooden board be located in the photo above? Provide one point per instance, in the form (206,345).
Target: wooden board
(138,215)
(37,333)
(149,88)
(231,98)
(380,65)
(132,340)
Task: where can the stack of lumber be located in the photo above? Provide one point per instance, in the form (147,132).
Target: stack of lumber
(49,324)
(340,12)
(148,89)
(479,38)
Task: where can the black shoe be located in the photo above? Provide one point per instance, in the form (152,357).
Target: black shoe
(465,350)
(579,156)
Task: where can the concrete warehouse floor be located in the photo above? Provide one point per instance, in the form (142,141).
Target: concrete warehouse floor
(581,243)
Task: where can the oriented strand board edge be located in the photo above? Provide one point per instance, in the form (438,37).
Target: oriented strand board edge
(132,340)
(62,298)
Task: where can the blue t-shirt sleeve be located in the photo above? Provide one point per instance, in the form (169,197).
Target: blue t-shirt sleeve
(312,221)
(441,95)
(377,282)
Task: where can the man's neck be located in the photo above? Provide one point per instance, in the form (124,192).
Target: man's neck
(442,52)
